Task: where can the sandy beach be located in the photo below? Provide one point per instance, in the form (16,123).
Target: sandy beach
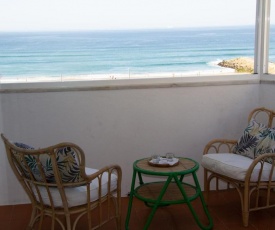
(115,76)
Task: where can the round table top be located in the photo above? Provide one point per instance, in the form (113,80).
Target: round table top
(185,166)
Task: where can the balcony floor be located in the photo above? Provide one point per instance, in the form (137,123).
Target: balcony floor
(224,207)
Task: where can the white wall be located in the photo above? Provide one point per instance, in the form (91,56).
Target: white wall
(4,167)
(267,95)
(120,126)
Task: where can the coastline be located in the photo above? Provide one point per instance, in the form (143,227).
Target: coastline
(240,65)
(244,65)
(114,76)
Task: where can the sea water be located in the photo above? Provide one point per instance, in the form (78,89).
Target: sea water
(127,52)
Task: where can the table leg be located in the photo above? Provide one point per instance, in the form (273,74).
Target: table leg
(203,201)
(130,200)
(156,204)
(140,178)
(181,178)
(188,202)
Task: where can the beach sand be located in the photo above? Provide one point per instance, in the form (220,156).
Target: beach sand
(115,76)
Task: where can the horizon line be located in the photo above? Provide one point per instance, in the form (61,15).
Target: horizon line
(126,29)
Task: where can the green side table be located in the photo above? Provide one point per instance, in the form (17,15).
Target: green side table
(172,191)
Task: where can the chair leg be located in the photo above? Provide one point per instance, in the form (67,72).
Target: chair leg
(118,222)
(68,222)
(117,203)
(245,218)
(245,206)
(32,220)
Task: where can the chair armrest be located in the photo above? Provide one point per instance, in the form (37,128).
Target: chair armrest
(264,165)
(220,145)
(109,169)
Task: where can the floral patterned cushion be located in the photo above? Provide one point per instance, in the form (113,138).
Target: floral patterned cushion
(19,157)
(66,159)
(67,163)
(253,134)
(22,145)
(267,145)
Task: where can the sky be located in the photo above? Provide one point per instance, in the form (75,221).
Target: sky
(56,15)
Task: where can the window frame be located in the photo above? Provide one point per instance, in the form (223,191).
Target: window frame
(261,57)
(262,31)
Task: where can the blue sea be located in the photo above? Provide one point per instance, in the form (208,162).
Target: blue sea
(94,53)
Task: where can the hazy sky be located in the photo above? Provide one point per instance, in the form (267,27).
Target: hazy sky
(122,14)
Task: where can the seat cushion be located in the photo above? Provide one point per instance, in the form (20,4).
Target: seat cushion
(253,134)
(77,195)
(234,166)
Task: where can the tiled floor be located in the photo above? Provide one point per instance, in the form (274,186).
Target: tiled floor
(224,207)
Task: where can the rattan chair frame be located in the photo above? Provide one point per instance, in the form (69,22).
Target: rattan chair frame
(112,200)
(253,195)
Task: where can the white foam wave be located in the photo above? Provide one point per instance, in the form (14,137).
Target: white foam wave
(214,63)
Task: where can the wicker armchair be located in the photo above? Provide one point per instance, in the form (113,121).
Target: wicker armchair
(58,185)
(246,164)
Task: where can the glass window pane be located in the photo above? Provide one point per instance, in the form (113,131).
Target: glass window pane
(125,39)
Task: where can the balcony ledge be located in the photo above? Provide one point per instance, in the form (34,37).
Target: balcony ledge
(96,85)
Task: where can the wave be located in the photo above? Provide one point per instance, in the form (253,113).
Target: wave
(214,63)
(105,52)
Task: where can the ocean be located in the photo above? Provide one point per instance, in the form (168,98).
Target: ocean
(123,53)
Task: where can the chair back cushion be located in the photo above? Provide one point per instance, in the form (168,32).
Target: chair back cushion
(253,134)
(267,145)
(22,145)
(66,160)
(68,165)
